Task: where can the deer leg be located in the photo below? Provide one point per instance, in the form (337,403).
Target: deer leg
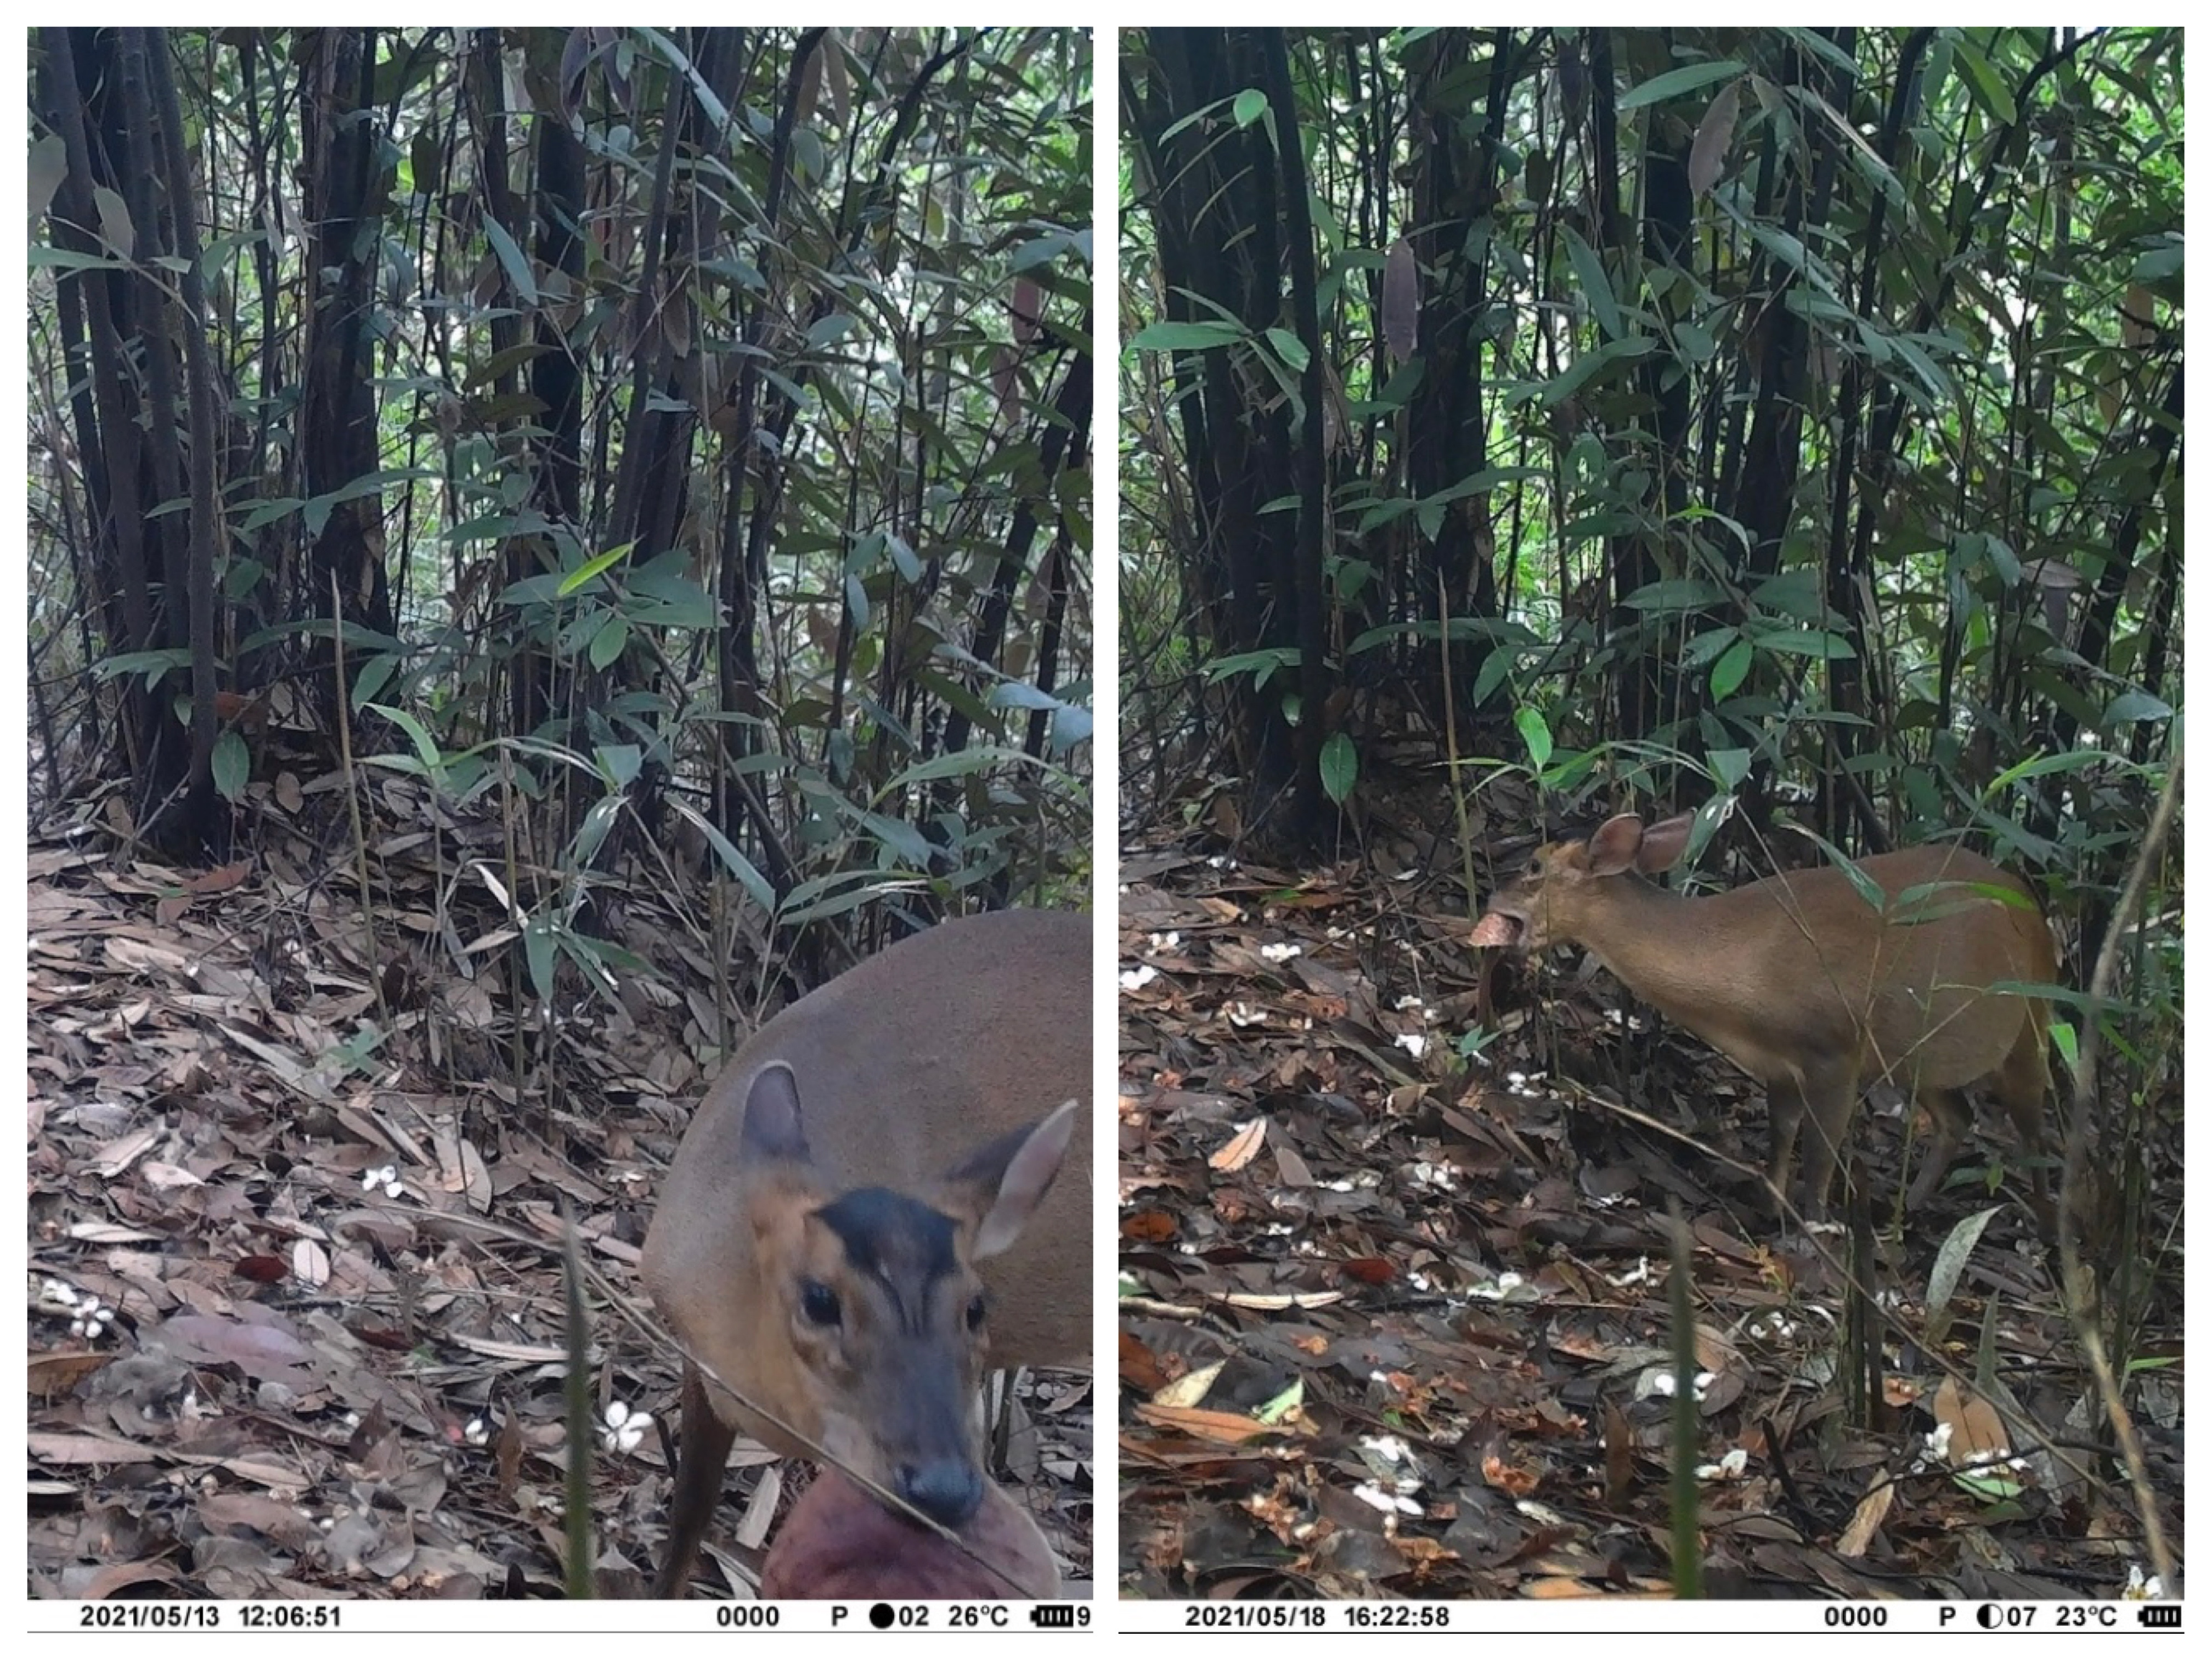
(2022,1085)
(700,1460)
(1950,1117)
(1785,1112)
(1829,1097)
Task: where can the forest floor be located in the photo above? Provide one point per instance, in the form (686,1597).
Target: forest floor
(1394,1323)
(297,1288)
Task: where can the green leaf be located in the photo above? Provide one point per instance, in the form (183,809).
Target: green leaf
(1536,733)
(517,267)
(68,258)
(1701,649)
(593,569)
(1808,642)
(2132,706)
(426,746)
(231,764)
(1016,694)
(1495,667)
(1675,82)
(1187,337)
(1951,1259)
(1793,592)
(591,955)
(152,664)
(1996,96)
(537,950)
(1675,593)
(316,511)
(739,866)
(911,845)
(1698,345)
(1071,724)
(958,763)
(1291,348)
(1932,379)
(1730,670)
(1563,386)
(1597,287)
(1339,767)
(1870,891)
(619,762)
(2036,766)
(807,150)
(872,887)
(1283,1405)
(1200,113)
(375,674)
(663,596)
(826,331)
(114,227)
(501,362)
(591,834)
(1043,250)
(1248,107)
(1729,767)
(49,163)
(2159,262)
(607,644)
(1261,664)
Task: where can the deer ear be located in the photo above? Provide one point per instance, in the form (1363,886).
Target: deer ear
(996,1189)
(1664,843)
(1612,850)
(773,1128)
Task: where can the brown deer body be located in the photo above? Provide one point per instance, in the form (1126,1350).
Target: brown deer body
(1809,987)
(886,1192)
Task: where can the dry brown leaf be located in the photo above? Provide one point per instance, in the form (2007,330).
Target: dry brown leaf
(1226,1427)
(1866,1519)
(1189,1390)
(54,1376)
(1243,1147)
(1977,1431)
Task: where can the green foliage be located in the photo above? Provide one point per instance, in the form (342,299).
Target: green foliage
(1339,767)
(1907,611)
(803,564)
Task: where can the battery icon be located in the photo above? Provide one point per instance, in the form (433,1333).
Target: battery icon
(1061,1616)
(2165,1615)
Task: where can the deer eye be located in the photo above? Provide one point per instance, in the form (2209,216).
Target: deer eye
(975,1311)
(819,1304)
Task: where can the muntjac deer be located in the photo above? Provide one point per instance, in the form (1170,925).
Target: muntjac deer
(865,1216)
(839,1544)
(1812,990)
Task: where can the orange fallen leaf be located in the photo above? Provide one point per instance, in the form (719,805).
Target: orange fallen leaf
(1515,1480)
(1228,1428)
(1140,1367)
(1242,1148)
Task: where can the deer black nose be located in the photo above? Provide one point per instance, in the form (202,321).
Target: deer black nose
(946,1490)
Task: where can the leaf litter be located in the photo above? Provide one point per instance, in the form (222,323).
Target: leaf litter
(295,1232)
(1395,1322)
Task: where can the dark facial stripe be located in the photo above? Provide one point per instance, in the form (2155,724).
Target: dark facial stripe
(899,1241)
